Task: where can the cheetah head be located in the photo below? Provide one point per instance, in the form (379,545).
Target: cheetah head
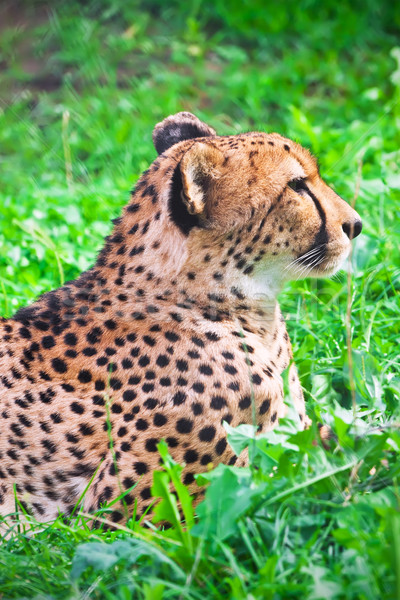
(251,206)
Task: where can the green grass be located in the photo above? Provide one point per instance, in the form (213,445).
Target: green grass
(81,88)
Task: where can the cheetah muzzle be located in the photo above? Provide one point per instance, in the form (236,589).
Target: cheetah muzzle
(175,326)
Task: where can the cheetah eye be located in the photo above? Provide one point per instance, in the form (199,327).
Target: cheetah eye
(298,184)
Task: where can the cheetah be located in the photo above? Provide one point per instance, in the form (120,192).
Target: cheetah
(175,330)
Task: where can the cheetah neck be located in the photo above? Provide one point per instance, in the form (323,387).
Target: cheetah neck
(150,268)
(156,267)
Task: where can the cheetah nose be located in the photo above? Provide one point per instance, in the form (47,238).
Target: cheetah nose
(352,229)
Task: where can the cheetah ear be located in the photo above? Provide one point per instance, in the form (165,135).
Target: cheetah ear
(179,127)
(199,167)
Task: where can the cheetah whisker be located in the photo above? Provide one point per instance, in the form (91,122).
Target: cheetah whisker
(301,258)
(308,268)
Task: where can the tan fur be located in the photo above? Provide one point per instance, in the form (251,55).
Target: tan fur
(173,329)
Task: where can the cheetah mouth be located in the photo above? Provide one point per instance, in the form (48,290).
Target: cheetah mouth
(330,264)
(319,261)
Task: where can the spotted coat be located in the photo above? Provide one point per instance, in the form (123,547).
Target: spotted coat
(174,329)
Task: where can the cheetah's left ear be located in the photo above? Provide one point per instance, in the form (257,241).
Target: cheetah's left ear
(199,167)
(179,127)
